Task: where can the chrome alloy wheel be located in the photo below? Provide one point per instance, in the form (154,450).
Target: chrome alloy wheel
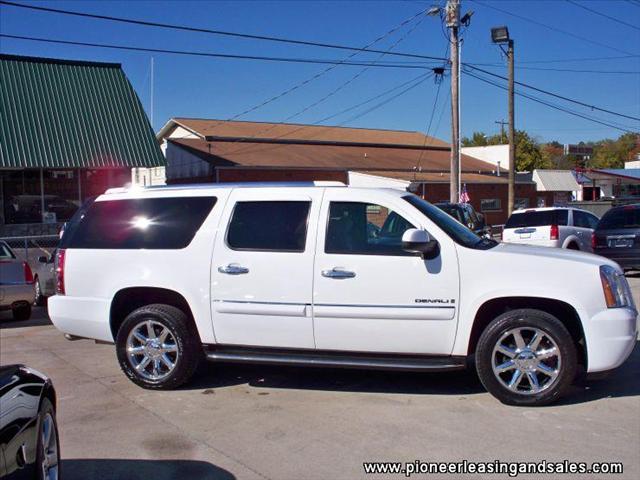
(50,454)
(526,360)
(152,350)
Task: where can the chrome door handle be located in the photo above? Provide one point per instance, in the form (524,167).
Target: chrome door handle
(338,273)
(233,269)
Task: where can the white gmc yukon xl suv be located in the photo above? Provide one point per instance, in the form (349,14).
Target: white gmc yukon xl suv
(331,276)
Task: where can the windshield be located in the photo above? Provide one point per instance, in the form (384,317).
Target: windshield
(458,232)
(625,217)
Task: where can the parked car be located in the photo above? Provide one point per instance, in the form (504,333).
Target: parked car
(551,227)
(44,278)
(617,236)
(292,274)
(466,215)
(17,291)
(29,441)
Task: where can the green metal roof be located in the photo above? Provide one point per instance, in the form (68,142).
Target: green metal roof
(69,114)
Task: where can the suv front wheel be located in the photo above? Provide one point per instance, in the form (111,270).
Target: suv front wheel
(157,347)
(526,357)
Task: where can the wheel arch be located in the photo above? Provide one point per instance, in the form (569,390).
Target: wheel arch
(129,299)
(563,311)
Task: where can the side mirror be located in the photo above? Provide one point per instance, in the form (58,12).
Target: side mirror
(43,259)
(419,241)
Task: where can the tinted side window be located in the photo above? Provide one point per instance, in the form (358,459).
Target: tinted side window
(364,229)
(584,220)
(269,226)
(152,223)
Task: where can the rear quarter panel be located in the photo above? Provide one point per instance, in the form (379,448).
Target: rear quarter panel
(94,276)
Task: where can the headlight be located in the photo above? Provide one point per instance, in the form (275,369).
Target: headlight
(615,287)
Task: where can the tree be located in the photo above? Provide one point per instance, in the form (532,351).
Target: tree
(528,153)
(613,153)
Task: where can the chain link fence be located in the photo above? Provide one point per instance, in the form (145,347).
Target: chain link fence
(30,248)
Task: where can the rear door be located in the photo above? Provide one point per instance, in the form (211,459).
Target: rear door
(370,295)
(584,223)
(262,268)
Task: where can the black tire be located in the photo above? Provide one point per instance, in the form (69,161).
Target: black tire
(552,331)
(573,246)
(21,312)
(188,348)
(39,300)
(46,409)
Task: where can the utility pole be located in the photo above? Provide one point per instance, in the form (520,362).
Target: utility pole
(453,22)
(502,123)
(512,133)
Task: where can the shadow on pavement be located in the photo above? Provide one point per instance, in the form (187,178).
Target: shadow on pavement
(621,382)
(220,375)
(116,469)
(39,318)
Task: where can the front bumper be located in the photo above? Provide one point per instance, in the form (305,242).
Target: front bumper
(611,337)
(19,293)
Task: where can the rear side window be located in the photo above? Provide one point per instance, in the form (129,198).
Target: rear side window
(5,252)
(584,219)
(625,217)
(269,226)
(538,219)
(152,223)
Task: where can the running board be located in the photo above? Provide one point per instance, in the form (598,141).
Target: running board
(332,359)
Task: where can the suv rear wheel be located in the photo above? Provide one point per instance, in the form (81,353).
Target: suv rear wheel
(21,311)
(526,357)
(157,347)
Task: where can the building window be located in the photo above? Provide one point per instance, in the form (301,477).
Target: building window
(490,205)
(521,203)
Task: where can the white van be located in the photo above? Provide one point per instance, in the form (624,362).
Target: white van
(331,276)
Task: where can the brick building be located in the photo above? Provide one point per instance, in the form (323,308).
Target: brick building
(203,150)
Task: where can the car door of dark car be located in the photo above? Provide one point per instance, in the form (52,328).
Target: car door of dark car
(19,401)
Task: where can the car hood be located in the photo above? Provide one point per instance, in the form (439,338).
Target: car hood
(556,254)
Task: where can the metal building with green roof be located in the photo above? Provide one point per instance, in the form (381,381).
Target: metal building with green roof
(68,130)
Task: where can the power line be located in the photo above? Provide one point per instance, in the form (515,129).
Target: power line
(561,97)
(426,136)
(555,29)
(551,105)
(572,70)
(214,32)
(565,60)
(602,14)
(345,83)
(214,54)
(281,59)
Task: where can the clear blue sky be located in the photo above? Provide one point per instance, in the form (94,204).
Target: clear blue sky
(216,88)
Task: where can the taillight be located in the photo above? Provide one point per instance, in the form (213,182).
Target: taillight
(28,274)
(555,234)
(60,272)
(594,241)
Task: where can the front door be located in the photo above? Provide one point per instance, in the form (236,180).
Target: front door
(370,295)
(262,268)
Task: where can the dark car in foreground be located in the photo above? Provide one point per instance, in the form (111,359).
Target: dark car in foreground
(29,442)
(466,215)
(617,236)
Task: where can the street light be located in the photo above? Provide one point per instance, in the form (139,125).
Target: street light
(500,36)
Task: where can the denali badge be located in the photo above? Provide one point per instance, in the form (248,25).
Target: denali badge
(434,300)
